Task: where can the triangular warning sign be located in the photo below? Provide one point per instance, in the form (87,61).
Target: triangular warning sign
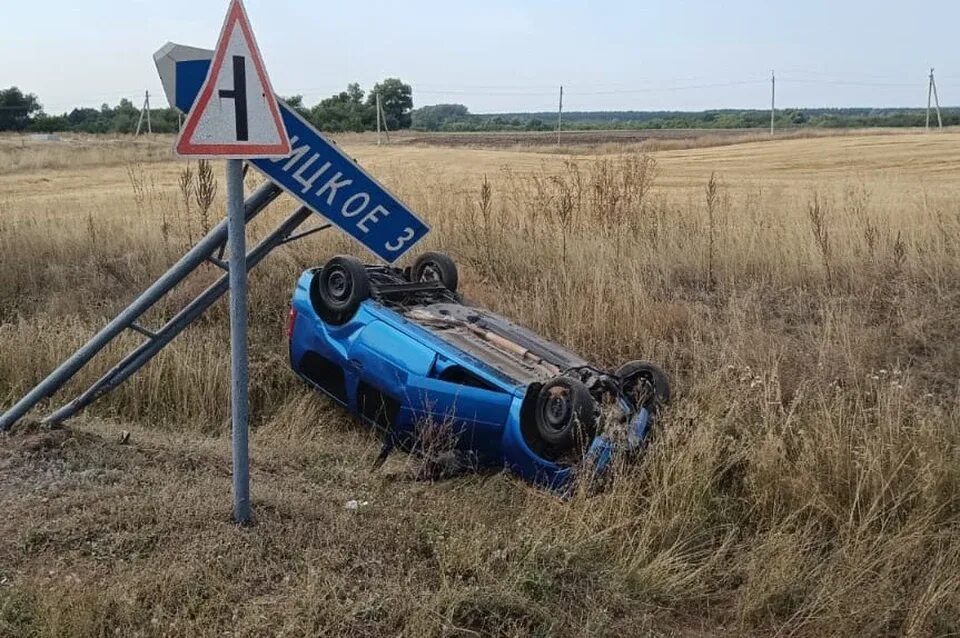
(236,114)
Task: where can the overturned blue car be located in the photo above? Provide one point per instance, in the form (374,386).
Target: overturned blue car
(400,349)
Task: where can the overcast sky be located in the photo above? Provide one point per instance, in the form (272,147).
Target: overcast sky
(508,55)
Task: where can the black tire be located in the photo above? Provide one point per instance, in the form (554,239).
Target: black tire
(436,267)
(566,414)
(339,288)
(657,389)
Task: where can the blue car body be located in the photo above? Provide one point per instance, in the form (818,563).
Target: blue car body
(398,372)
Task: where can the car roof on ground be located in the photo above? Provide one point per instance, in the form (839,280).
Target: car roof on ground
(511,350)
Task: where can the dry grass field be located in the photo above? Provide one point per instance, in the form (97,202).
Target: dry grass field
(804,294)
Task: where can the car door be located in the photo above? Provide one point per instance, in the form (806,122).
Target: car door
(456,401)
(386,358)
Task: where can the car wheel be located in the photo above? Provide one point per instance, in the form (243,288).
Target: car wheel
(646,380)
(436,267)
(339,289)
(566,413)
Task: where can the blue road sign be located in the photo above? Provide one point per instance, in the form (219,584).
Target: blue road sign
(317,173)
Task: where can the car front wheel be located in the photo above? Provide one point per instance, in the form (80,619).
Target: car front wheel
(565,414)
(338,290)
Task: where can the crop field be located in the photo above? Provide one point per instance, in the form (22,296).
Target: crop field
(615,140)
(803,294)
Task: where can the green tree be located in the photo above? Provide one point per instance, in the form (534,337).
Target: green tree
(434,117)
(355,93)
(46,124)
(124,118)
(296,103)
(396,99)
(345,111)
(88,120)
(17,109)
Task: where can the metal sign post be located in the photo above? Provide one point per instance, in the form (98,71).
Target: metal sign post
(239,370)
(236,117)
(312,170)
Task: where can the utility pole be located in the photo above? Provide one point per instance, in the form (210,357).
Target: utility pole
(378,119)
(560,116)
(145,110)
(932,95)
(773,100)
(140,121)
(383,118)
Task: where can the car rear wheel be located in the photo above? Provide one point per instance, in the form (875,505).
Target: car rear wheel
(646,381)
(436,267)
(565,414)
(339,289)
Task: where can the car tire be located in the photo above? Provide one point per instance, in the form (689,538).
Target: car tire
(339,288)
(632,372)
(436,267)
(566,414)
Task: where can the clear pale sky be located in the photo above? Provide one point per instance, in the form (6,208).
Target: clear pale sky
(508,55)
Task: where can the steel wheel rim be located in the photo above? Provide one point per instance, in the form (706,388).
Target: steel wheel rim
(339,286)
(557,409)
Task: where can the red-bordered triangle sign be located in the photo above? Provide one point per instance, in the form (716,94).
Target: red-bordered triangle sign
(236,114)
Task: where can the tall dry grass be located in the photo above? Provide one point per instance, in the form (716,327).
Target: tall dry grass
(803,482)
(20,152)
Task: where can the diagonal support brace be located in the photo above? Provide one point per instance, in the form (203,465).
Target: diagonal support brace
(146,332)
(147,350)
(256,203)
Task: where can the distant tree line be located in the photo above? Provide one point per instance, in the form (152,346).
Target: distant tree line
(350,110)
(456,118)
(355,110)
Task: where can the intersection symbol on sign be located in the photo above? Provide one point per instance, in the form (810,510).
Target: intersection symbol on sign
(236,114)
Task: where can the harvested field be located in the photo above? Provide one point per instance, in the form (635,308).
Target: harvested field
(610,141)
(804,294)
(572,137)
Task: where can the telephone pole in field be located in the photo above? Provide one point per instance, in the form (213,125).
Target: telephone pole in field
(773,100)
(932,95)
(381,121)
(560,116)
(145,110)
(378,119)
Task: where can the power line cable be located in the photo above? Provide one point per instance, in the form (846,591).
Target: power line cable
(790,76)
(822,73)
(674,88)
(851,83)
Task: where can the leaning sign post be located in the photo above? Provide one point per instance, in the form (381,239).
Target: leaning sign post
(236,117)
(233,113)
